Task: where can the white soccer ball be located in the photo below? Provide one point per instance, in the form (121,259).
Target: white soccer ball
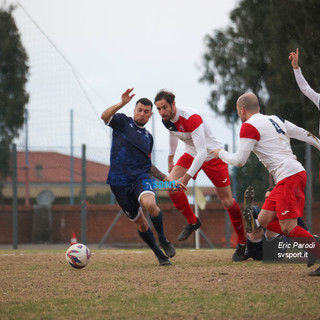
(78,255)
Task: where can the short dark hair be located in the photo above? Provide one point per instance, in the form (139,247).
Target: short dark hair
(145,102)
(164,94)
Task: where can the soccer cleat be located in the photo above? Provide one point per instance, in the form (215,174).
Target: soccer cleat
(239,254)
(311,258)
(315,273)
(248,209)
(188,229)
(168,248)
(164,260)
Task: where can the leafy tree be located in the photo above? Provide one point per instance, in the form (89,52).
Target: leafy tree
(251,54)
(13,78)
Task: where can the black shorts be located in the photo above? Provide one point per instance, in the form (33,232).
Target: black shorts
(128,197)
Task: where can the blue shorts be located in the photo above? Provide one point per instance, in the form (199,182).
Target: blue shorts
(128,197)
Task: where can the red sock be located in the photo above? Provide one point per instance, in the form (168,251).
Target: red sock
(275,227)
(298,232)
(236,220)
(181,202)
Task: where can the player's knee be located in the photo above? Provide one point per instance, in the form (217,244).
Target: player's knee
(153,209)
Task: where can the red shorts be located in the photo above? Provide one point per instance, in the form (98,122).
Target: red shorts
(216,170)
(287,198)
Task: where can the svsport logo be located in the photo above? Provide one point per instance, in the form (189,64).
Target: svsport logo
(153,184)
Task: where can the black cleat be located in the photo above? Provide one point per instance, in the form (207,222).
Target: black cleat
(248,209)
(239,254)
(188,229)
(315,273)
(168,248)
(164,260)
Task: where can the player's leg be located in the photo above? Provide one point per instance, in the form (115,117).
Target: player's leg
(217,171)
(147,236)
(231,205)
(148,202)
(233,209)
(131,207)
(290,204)
(180,199)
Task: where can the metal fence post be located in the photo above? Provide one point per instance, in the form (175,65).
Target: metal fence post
(309,187)
(227,218)
(14,198)
(83,198)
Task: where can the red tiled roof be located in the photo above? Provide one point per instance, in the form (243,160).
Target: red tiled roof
(45,167)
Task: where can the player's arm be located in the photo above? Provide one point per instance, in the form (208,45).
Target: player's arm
(125,98)
(199,141)
(249,136)
(301,81)
(305,88)
(155,172)
(240,158)
(302,134)
(173,140)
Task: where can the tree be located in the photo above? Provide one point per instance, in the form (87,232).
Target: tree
(252,55)
(13,78)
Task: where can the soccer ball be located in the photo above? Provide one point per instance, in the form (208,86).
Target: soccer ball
(78,255)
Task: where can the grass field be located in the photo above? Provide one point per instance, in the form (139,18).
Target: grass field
(129,284)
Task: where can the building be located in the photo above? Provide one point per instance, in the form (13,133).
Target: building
(51,171)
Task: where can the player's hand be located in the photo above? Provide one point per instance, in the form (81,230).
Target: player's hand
(185,179)
(126,97)
(179,186)
(294,58)
(216,152)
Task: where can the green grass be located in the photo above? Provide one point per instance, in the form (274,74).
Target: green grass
(129,284)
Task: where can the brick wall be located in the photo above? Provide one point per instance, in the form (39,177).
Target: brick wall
(66,219)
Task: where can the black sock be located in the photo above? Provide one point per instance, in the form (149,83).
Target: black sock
(149,239)
(158,225)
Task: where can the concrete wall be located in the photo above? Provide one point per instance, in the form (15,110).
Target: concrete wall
(67,219)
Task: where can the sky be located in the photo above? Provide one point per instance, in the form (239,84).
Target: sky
(84,54)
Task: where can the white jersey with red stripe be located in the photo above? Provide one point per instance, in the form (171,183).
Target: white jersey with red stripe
(190,127)
(273,145)
(269,138)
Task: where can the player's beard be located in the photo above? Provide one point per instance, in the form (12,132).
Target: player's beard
(140,123)
(169,117)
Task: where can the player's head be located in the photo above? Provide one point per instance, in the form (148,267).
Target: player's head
(247,105)
(142,111)
(166,105)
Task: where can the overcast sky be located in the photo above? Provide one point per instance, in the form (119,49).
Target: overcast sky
(111,46)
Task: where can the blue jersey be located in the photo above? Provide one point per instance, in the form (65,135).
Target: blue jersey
(130,151)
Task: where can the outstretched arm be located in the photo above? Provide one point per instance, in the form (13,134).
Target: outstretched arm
(301,81)
(125,98)
(241,156)
(302,134)
(155,172)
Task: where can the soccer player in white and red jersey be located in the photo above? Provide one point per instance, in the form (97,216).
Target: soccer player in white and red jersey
(269,138)
(189,126)
(303,84)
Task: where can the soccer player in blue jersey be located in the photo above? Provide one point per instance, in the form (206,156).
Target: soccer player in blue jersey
(130,167)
